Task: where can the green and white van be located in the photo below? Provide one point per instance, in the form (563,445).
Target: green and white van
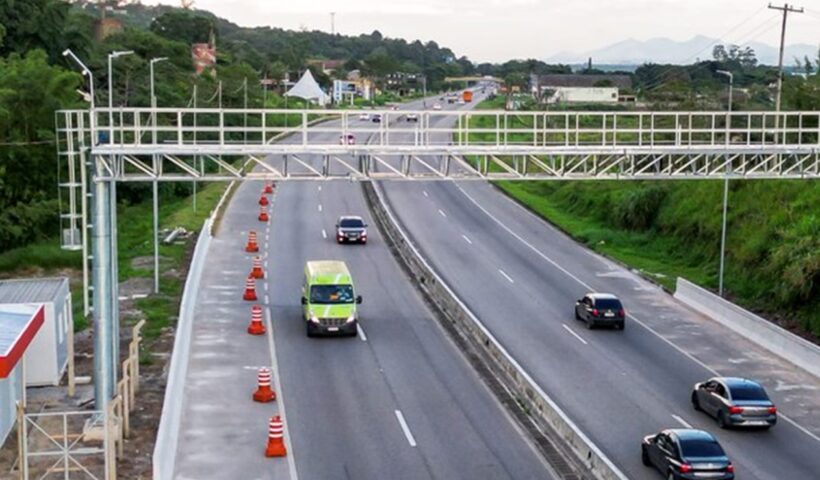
(329,299)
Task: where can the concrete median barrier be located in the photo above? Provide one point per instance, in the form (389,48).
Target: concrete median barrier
(777,340)
(542,410)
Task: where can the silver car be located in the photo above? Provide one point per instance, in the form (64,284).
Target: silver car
(735,402)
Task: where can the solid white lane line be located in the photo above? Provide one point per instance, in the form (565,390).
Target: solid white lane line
(629,315)
(406,429)
(280,400)
(320,207)
(440,212)
(566,327)
(425,193)
(467,239)
(362,336)
(681,421)
(509,278)
(324,233)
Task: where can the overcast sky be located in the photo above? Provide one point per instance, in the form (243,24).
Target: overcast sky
(497,30)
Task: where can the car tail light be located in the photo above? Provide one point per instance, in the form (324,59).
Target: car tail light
(735,410)
(594,312)
(621,313)
(685,468)
(772,409)
(730,468)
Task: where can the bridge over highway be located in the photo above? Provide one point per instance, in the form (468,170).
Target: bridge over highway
(518,275)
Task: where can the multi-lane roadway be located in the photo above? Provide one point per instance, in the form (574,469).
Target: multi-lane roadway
(400,401)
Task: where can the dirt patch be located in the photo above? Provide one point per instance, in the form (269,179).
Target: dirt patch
(147,262)
(137,286)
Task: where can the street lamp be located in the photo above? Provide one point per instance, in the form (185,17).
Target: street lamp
(111,56)
(86,73)
(156,184)
(725,183)
(154,97)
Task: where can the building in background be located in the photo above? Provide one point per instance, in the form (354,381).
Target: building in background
(19,328)
(580,88)
(347,90)
(50,351)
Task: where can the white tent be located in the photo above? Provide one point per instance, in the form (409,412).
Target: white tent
(308,89)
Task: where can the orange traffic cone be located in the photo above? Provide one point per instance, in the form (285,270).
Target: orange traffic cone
(256,271)
(263,214)
(251,247)
(256,327)
(250,290)
(268,188)
(276,438)
(264,393)
(263,200)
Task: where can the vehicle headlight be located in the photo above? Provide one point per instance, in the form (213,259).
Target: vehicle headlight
(350,319)
(313,318)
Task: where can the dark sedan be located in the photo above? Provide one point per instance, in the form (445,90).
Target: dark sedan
(599,309)
(686,454)
(735,402)
(350,229)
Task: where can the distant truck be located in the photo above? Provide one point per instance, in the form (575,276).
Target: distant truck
(467,95)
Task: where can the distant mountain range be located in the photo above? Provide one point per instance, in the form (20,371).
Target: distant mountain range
(665,50)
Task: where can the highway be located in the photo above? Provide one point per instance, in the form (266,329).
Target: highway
(521,277)
(400,401)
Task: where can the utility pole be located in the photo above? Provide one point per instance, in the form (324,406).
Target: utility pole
(725,183)
(156,183)
(786,8)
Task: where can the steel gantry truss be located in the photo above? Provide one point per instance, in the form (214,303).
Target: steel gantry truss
(102,147)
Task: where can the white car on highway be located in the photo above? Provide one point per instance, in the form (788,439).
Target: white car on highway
(347,139)
(436,106)
(364,116)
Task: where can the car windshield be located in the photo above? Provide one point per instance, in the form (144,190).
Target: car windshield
(608,303)
(331,294)
(701,448)
(748,392)
(351,223)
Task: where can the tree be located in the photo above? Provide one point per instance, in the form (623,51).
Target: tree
(33,24)
(183,26)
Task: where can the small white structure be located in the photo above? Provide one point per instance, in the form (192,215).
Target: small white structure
(308,89)
(584,95)
(50,349)
(19,326)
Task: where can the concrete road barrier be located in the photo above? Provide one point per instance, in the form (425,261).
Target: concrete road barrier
(165,448)
(777,340)
(542,409)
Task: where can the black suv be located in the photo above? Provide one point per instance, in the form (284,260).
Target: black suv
(600,309)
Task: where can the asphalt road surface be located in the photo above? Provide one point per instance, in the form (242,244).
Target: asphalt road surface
(521,277)
(399,401)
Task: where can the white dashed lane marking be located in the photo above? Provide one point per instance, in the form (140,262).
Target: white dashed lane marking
(406,429)
(574,334)
(467,239)
(504,274)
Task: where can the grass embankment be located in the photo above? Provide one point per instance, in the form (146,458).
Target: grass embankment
(134,233)
(671,229)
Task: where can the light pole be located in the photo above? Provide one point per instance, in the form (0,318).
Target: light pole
(86,73)
(154,97)
(156,183)
(725,183)
(111,56)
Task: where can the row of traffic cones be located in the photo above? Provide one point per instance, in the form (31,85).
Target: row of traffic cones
(264,392)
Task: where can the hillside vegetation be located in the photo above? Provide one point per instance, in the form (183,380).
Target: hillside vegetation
(670,229)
